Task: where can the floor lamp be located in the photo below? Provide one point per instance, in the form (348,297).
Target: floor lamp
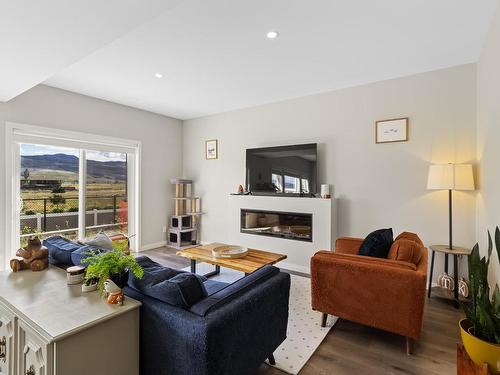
(450,177)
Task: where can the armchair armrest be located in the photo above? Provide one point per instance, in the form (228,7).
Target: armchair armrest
(348,245)
(375,292)
(373,261)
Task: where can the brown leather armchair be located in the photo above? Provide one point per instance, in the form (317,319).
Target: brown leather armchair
(388,294)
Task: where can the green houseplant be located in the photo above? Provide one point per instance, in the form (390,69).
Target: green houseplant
(114,265)
(480,331)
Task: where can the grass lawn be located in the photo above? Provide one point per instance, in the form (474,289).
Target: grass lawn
(99,196)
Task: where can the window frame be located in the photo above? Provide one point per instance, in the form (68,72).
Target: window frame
(17,133)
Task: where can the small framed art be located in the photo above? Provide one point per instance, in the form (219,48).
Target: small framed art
(393,130)
(211,151)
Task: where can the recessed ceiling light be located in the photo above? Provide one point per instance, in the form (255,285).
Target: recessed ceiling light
(272,34)
(159,75)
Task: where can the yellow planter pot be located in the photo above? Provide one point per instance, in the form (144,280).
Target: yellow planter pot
(478,350)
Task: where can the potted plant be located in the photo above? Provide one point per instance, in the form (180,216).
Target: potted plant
(89,285)
(480,330)
(113,265)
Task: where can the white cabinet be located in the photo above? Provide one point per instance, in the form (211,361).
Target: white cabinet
(33,352)
(7,343)
(46,327)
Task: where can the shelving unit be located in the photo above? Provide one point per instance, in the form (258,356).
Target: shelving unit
(184,223)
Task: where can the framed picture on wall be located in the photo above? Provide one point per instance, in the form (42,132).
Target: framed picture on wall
(211,151)
(392,130)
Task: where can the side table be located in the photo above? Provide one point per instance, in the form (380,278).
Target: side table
(456,252)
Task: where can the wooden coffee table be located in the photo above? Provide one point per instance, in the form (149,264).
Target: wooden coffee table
(254,260)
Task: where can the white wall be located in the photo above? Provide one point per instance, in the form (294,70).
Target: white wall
(161,143)
(379,185)
(488,136)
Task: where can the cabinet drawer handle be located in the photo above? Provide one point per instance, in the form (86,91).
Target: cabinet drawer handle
(3,349)
(31,370)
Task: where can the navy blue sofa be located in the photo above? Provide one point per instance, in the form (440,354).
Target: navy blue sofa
(231,330)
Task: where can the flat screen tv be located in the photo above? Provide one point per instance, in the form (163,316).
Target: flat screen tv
(282,170)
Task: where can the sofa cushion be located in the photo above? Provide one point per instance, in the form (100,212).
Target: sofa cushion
(177,288)
(60,250)
(405,250)
(155,271)
(213,286)
(377,243)
(82,253)
(233,291)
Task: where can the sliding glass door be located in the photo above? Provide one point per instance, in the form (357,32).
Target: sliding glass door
(68,183)
(106,197)
(72,191)
(49,184)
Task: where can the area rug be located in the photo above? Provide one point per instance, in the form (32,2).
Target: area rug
(304,334)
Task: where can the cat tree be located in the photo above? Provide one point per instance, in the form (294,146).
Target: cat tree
(184,223)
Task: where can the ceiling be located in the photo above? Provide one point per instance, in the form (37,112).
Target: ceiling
(214,55)
(40,38)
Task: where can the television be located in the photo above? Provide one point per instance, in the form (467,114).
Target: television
(282,170)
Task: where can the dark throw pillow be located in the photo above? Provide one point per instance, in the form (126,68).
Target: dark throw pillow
(377,243)
(177,288)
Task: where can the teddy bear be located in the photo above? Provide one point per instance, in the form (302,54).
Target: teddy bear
(34,256)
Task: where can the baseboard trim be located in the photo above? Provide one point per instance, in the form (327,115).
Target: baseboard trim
(294,267)
(152,246)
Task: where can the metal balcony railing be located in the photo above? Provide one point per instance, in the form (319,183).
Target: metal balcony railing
(59,214)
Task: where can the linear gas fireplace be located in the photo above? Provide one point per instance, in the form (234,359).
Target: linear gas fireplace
(290,225)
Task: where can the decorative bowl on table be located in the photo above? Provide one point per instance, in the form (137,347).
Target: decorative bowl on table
(229,252)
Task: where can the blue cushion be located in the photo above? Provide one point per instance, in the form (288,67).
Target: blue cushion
(84,252)
(213,286)
(234,290)
(60,250)
(177,288)
(155,271)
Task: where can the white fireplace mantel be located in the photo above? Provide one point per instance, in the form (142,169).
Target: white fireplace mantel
(299,253)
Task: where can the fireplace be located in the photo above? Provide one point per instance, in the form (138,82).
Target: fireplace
(290,225)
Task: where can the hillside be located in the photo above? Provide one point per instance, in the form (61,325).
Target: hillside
(62,166)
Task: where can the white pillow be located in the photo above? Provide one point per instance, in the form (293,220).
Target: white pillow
(101,241)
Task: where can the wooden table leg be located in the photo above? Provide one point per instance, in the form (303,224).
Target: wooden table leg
(430,276)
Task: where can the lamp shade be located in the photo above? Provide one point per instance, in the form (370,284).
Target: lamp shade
(450,177)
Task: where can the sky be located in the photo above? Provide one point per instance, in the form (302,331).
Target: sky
(31,149)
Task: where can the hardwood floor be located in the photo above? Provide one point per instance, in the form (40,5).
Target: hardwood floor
(350,348)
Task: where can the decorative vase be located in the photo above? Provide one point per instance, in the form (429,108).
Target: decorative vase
(86,288)
(480,351)
(115,294)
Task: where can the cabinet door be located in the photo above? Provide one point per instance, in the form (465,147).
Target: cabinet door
(33,352)
(7,342)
